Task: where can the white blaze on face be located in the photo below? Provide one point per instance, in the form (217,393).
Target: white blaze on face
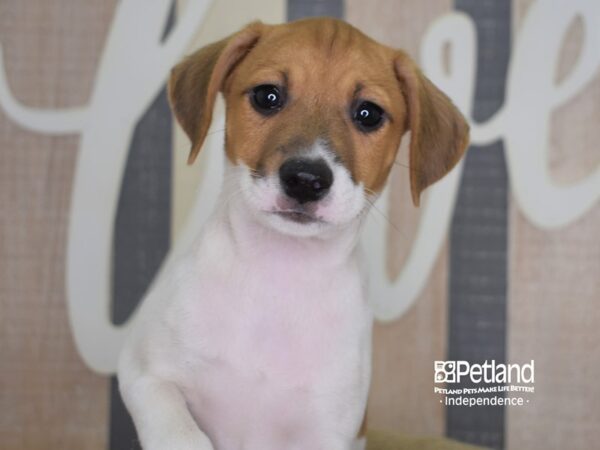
(343,203)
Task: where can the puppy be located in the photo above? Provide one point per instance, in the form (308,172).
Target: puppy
(259,337)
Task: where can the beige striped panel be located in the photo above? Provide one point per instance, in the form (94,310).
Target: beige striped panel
(48,398)
(554,300)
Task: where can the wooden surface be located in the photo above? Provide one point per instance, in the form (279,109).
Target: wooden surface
(48,398)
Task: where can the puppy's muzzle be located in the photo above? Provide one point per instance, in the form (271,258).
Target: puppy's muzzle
(305,180)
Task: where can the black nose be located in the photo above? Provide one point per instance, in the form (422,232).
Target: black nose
(305,180)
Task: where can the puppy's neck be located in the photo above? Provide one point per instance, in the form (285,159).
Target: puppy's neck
(255,241)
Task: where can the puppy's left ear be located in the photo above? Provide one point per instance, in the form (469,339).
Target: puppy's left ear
(439,132)
(196,81)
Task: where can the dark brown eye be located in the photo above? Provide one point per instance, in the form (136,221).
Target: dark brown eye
(368,116)
(267,99)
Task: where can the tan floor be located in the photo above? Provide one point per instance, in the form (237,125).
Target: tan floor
(385,440)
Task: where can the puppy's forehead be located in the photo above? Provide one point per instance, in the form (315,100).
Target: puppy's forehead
(329,35)
(322,47)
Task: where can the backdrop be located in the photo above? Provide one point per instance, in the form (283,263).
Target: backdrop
(501,262)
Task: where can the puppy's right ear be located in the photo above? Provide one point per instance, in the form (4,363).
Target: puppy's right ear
(195,82)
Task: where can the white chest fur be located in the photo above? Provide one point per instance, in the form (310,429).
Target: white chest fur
(266,336)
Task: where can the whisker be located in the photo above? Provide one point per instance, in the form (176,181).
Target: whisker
(231,196)
(215,131)
(370,191)
(388,220)
(405,166)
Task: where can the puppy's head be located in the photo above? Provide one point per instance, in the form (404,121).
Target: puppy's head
(315,114)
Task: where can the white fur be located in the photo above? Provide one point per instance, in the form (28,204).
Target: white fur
(259,338)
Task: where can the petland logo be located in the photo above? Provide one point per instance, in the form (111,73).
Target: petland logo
(489,372)
(487,384)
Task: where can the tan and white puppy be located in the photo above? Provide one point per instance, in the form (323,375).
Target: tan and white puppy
(259,338)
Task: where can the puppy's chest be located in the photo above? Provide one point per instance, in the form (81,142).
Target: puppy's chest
(281,329)
(272,351)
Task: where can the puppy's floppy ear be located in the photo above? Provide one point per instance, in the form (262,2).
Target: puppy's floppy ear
(195,82)
(439,134)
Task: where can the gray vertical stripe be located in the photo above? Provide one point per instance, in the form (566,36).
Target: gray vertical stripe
(142,232)
(142,226)
(298,9)
(478,241)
